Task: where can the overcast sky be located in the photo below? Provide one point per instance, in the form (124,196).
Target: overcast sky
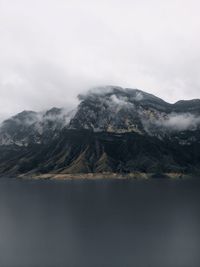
(50,50)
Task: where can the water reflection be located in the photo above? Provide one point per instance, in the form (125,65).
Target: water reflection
(99,223)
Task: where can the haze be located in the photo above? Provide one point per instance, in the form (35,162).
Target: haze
(51,50)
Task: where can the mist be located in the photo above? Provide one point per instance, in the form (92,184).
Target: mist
(181,122)
(53,50)
(173,122)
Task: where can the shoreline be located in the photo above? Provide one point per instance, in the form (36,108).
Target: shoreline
(100,176)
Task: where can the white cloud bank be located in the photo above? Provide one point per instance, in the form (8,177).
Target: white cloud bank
(51,50)
(181,122)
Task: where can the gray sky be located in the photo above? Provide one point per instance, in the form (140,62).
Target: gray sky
(50,50)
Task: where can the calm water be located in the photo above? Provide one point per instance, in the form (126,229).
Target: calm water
(100,223)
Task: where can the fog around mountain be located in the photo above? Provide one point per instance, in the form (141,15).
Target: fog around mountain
(53,50)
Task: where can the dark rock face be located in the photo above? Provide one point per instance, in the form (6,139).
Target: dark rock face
(112,130)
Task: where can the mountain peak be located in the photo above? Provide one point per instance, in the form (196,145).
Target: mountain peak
(122,94)
(53,112)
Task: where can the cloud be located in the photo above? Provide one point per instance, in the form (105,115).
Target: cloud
(180,122)
(99,91)
(121,101)
(139,96)
(52,50)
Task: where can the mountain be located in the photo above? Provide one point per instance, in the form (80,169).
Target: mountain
(113,130)
(29,127)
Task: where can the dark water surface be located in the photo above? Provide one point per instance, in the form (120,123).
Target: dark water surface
(100,223)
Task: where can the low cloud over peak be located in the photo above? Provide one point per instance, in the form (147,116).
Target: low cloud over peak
(52,50)
(181,122)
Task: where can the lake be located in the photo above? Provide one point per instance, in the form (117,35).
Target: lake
(101,223)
